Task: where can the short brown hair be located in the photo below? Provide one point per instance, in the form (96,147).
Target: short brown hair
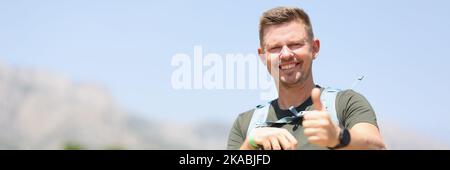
(281,15)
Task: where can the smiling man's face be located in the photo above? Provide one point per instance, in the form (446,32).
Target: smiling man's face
(290,52)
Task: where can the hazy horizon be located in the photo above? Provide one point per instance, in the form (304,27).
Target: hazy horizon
(126,47)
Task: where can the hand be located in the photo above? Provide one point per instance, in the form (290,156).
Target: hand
(318,126)
(271,138)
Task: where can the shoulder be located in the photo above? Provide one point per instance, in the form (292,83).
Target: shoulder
(242,121)
(350,96)
(247,115)
(355,108)
(349,92)
(237,133)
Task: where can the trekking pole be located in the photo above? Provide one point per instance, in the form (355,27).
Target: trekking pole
(357,81)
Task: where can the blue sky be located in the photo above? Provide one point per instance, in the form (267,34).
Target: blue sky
(127,46)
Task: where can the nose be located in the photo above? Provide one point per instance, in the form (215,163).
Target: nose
(286,53)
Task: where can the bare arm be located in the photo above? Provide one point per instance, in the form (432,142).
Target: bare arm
(270,138)
(321,131)
(365,136)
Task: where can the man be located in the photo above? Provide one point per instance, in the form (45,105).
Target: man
(288,47)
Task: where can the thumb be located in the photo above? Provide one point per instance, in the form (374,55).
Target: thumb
(315,96)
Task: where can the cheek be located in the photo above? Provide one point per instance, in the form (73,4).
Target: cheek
(303,52)
(272,63)
(305,56)
(306,60)
(274,59)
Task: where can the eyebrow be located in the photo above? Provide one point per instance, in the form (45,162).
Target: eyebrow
(302,40)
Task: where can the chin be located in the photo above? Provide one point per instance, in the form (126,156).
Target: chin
(292,79)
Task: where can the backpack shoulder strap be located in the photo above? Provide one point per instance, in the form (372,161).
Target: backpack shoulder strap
(259,116)
(328,98)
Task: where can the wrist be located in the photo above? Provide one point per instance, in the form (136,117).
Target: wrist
(251,143)
(337,138)
(343,139)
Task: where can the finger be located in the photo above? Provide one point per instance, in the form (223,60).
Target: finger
(291,138)
(315,123)
(314,139)
(315,96)
(311,131)
(267,145)
(313,115)
(275,144)
(284,142)
(310,123)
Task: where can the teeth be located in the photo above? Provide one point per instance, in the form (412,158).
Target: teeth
(288,66)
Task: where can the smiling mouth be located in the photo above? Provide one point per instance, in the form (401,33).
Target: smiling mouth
(289,66)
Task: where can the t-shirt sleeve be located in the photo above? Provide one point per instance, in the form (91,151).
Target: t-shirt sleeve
(238,131)
(356,109)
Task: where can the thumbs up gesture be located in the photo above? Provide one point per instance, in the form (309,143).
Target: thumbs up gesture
(318,126)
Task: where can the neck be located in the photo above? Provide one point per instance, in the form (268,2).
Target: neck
(294,95)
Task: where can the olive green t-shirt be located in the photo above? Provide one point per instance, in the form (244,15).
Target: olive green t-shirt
(351,108)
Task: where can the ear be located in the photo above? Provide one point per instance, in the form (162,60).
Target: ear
(264,59)
(262,56)
(315,47)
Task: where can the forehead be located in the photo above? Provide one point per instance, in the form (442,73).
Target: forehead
(286,32)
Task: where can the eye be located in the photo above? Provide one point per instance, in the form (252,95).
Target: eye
(295,46)
(275,49)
